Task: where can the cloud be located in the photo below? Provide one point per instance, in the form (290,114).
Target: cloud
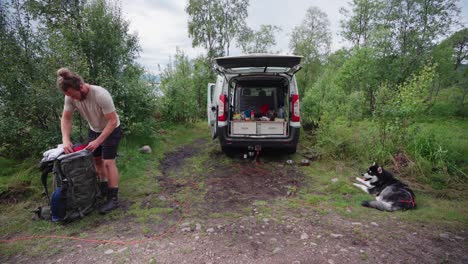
(169,5)
(162,24)
(288,17)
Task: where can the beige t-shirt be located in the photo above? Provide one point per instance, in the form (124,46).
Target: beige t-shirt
(98,103)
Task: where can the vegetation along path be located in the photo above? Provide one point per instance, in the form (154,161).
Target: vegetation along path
(194,204)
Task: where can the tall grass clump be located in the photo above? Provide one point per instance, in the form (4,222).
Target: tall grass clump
(399,132)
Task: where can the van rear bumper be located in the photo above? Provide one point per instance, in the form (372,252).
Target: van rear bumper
(274,143)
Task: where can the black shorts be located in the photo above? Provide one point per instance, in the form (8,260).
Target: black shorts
(108,149)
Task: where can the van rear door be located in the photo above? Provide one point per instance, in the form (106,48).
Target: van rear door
(211,110)
(258,64)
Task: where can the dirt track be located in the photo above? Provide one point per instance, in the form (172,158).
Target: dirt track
(230,210)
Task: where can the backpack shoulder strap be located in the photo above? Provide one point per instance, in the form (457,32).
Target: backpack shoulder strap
(46,167)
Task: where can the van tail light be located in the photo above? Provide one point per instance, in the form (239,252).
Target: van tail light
(222,107)
(296,109)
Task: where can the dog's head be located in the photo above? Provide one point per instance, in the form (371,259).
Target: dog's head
(373,173)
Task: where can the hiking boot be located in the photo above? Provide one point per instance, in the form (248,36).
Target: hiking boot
(112,201)
(103,190)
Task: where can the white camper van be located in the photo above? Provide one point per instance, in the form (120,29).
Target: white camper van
(255,102)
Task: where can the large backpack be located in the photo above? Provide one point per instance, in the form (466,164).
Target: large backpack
(75,180)
(74,186)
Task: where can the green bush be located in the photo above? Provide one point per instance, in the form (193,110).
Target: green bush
(184,89)
(440,149)
(324,97)
(448,103)
(98,46)
(436,152)
(338,140)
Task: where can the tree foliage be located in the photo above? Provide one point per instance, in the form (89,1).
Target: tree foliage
(360,21)
(359,74)
(213,24)
(403,66)
(311,40)
(392,40)
(38,37)
(457,45)
(403,32)
(234,13)
(184,85)
(459,42)
(402,63)
(260,41)
(397,107)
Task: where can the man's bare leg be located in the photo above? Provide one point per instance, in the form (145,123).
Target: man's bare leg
(112,173)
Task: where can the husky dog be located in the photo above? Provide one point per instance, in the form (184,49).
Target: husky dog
(391,194)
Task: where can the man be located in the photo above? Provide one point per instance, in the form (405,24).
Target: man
(94,104)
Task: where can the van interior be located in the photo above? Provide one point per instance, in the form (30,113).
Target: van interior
(264,96)
(261,96)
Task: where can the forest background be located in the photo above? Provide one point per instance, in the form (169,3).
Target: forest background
(396,95)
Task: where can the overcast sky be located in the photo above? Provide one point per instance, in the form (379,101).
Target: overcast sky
(161,25)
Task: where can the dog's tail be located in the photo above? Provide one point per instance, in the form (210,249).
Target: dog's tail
(382,206)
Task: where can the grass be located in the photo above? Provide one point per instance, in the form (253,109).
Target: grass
(438,173)
(263,210)
(327,188)
(450,136)
(150,214)
(438,145)
(328,184)
(137,172)
(441,211)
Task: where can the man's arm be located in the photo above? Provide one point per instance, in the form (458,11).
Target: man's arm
(111,125)
(66,127)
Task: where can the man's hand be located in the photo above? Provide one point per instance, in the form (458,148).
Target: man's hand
(93,145)
(67,147)
(66,127)
(110,126)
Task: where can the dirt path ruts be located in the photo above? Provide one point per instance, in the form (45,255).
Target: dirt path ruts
(229,185)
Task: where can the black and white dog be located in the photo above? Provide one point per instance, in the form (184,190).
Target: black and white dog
(391,194)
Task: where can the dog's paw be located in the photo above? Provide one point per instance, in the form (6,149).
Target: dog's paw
(365,204)
(358,179)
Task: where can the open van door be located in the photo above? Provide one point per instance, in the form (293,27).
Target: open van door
(254,63)
(211,110)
